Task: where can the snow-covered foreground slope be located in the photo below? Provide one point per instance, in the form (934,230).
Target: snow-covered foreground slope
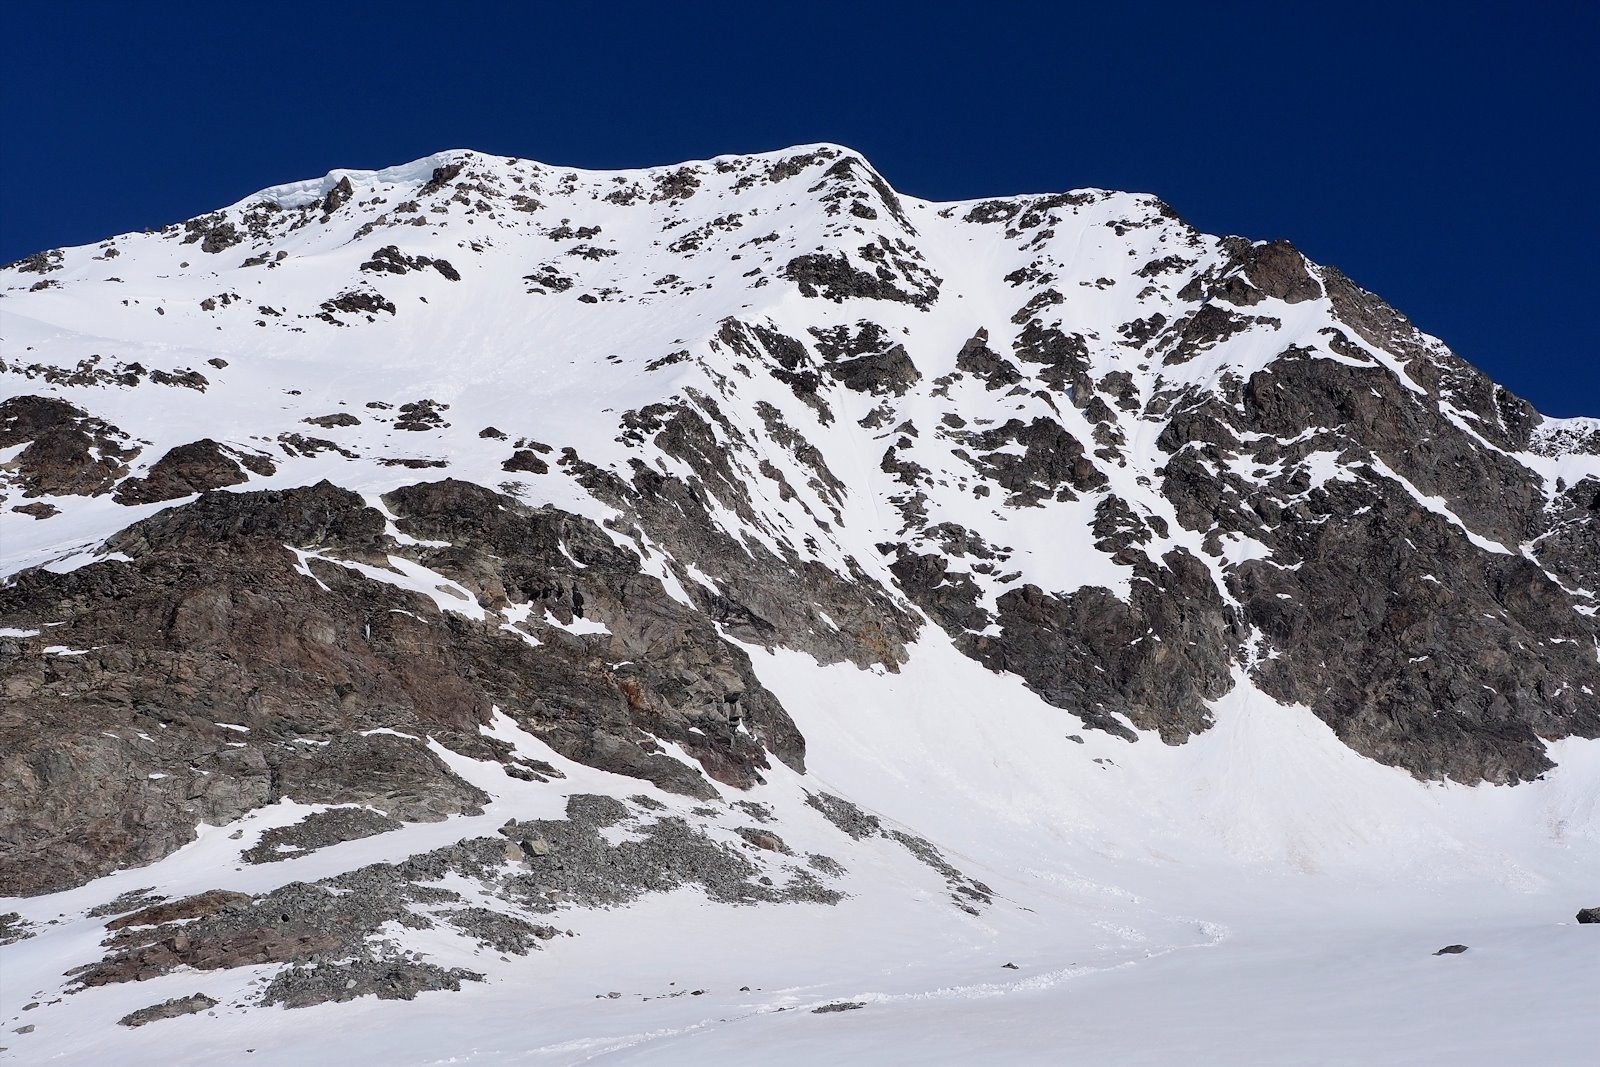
(1261,896)
(477,612)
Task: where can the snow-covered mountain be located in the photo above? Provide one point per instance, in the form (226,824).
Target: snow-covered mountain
(670,607)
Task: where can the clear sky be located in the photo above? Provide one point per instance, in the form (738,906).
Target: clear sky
(1443,155)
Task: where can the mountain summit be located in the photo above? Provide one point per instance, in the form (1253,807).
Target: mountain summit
(408,569)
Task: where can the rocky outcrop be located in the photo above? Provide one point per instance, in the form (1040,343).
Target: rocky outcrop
(68,451)
(324,933)
(169,1009)
(319,830)
(243,626)
(759,595)
(189,469)
(1420,632)
(890,371)
(1456,676)
(1154,659)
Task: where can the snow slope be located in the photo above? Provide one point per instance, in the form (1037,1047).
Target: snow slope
(1270,898)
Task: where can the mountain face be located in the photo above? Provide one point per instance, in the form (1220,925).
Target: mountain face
(367,515)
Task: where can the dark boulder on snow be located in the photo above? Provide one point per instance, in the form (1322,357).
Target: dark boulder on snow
(169,1009)
(338,196)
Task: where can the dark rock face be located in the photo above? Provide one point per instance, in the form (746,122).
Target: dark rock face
(214,233)
(69,452)
(188,469)
(215,620)
(390,260)
(1570,546)
(1254,272)
(1589,915)
(1452,680)
(1422,646)
(525,459)
(890,371)
(338,196)
(683,683)
(1051,463)
(836,278)
(394,774)
(978,359)
(949,596)
(1160,655)
(760,596)
(355,302)
(338,418)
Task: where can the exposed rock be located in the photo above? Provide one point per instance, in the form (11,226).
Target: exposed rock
(13,928)
(214,233)
(305,985)
(1254,272)
(1161,654)
(524,459)
(390,260)
(319,830)
(949,596)
(833,277)
(759,596)
(183,471)
(38,263)
(195,907)
(421,415)
(976,358)
(1279,270)
(355,302)
(441,177)
(338,196)
(69,451)
(169,1009)
(764,839)
(888,372)
(338,418)
(1051,462)
(132,900)
(396,775)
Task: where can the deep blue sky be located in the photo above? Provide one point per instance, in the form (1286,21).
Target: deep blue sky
(1443,155)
